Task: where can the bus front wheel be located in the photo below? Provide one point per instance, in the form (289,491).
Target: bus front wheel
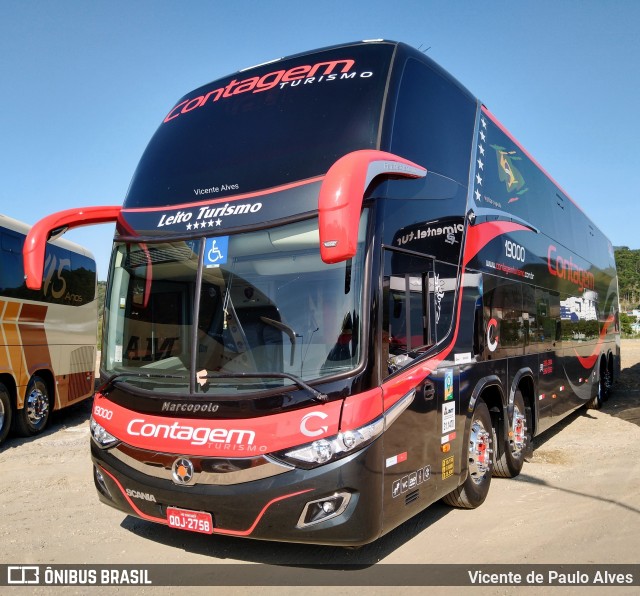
(33,417)
(474,490)
(5,412)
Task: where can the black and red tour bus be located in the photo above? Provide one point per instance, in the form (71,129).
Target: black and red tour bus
(339,291)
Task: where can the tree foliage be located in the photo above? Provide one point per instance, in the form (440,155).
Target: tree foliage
(628,264)
(626,322)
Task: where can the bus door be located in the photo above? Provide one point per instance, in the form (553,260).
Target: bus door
(410,443)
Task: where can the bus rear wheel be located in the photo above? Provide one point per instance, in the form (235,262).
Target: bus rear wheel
(5,412)
(474,490)
(597,401)
(33,417)
(511,450)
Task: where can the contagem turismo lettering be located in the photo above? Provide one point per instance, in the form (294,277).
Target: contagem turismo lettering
(200,435)
(567,269)
(263,83)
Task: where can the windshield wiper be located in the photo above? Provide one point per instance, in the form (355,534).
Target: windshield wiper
(321,397)
(110,380)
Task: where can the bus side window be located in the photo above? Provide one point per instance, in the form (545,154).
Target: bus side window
(405,321)
(11,271)
(530,319)
(503,314)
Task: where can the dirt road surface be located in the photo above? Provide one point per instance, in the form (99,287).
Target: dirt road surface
(576,501)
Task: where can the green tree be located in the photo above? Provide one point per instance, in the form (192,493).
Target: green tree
(625,323)
(628,264)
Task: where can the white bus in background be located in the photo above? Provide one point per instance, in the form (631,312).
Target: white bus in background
(47,337)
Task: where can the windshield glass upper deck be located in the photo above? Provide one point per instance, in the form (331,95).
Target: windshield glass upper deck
(264,127)
(258,302)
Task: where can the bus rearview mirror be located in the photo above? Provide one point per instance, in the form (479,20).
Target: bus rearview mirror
(342,193)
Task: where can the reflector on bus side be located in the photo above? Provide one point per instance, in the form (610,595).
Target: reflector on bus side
(341,194)
(57,224)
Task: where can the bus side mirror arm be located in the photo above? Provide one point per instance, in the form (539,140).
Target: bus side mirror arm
(53,226)
(342,193)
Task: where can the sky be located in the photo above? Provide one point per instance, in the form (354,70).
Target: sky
(84,85)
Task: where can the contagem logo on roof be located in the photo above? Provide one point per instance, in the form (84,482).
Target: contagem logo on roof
(329,69)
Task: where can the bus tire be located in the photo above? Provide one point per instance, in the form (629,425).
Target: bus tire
(608,382)
(474,490)
(5,412)
(33,417)
(597,401)
(511,450)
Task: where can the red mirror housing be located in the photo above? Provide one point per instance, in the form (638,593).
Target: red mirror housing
(54,225)
(341,195)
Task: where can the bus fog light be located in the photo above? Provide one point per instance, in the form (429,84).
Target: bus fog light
(329,506)
(100,483)
(324,509)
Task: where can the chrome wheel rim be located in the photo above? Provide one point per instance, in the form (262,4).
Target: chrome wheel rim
(37,406)
(518,437)
(479,452)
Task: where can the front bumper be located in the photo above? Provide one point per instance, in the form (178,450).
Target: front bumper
(267,508)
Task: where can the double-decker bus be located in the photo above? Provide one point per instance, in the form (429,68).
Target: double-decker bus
(339,291)
(48,335)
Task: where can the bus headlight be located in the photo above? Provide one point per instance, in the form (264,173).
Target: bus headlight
(101,436)
(331,448)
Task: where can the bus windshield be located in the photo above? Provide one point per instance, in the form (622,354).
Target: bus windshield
(257,302)
(282,122)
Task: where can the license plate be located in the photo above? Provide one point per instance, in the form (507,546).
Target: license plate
(192,521)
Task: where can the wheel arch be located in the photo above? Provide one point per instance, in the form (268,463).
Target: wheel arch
(47,376)
(491,391)
(524,381)
(10,383)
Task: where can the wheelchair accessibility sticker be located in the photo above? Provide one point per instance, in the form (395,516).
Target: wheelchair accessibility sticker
(216,251)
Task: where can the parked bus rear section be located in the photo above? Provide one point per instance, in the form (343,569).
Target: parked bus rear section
(339,291)
(47,336)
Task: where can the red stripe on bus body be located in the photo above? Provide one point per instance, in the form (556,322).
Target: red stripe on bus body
(480,235)
(218,437)
(361,408)
(589,361)
(249,531)
(133,506)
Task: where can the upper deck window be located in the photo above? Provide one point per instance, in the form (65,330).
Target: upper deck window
(264,127)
